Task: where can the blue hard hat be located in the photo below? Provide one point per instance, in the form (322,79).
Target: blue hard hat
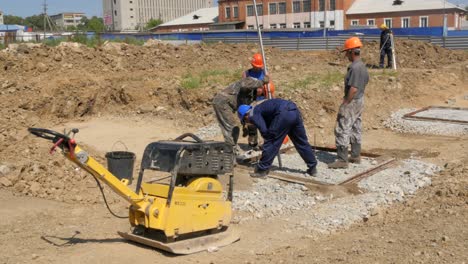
(243,109)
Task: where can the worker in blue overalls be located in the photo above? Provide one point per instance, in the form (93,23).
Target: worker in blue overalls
(276,119)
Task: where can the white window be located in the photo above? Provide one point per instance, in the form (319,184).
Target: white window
(282,25)
(260,10)
(282,8)
(296,7)
(423,21)
(332,23)
(250,27)
(260,26)
(388,22)
(405,22)
(371,22)
(273,26)
(228,12)
(296,25)
(306,24)
(250,10)
(355,22)
(235,11)
(306,5)
(322,24)
(273,8)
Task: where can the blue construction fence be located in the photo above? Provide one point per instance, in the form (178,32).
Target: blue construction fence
(198,36)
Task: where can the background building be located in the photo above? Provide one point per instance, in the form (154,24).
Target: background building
(129,15)
(404,14)
(65,20)
(281,14)
(1,18)
(199,20)
(338,14)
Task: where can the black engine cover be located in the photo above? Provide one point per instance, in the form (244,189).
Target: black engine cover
(198,158)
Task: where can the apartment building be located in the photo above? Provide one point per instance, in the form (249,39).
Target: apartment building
(1,17)
(404,14)
(338,14)
(65,20)
(131,15)
(281,14)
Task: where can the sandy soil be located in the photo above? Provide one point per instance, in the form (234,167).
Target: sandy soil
(52,213)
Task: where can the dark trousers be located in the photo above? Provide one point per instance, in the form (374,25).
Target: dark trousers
(287,122)
(389,54)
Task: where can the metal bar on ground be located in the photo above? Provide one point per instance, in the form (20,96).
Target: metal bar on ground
(370,172)
(412,115)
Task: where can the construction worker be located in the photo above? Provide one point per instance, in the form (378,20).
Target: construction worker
(385,46)
(226,102)
(257,71)
(348,127)
(276,119)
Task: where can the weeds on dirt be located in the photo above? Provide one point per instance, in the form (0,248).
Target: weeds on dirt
(210,77)
(323,81)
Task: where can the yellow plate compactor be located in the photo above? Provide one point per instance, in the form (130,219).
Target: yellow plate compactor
(190,213)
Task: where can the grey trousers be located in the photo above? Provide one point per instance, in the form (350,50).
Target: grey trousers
(227,119)
(349,123)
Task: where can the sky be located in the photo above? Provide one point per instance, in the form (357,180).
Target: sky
(89,7)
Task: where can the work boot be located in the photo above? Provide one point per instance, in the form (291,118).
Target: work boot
(259,173)
(341,161)
(312,172)
(355,154)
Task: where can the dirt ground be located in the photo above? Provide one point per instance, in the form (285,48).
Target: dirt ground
(53,213)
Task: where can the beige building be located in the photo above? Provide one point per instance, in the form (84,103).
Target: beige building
(1,17)
(65,20)
(133,15)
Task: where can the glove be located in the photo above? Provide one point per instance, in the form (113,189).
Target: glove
(266,79)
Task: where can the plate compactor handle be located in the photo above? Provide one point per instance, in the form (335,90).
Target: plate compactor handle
(194,137)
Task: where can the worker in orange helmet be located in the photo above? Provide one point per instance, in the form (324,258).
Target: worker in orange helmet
(258,72)
(349,122)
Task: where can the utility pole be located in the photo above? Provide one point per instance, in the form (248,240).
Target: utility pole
(325,18)
(444,34)
(45,18)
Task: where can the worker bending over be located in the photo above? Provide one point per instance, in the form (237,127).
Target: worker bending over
(226,102)
(349,122)
(276,119)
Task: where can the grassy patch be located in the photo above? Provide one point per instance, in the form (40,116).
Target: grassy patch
(210,77)
(324,80)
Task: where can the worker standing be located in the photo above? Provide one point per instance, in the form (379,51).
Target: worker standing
(276,119)
(349,122)
(258,72)
(385,46)
(226,102)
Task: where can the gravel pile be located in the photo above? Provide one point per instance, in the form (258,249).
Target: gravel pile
(397,123)
(208,132)
(305,211)
(294,165)
(270,197)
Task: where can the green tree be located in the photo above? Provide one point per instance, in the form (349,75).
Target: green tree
(13,20)
(36,22)
(96,24)
(153,23)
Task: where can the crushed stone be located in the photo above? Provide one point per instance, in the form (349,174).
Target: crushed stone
(397,123)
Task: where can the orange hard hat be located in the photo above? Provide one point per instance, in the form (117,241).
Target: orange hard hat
(271,86)
(257,60)
(352,43)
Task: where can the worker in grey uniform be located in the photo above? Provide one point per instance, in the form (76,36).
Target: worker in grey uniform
(349,121)
(226,102)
